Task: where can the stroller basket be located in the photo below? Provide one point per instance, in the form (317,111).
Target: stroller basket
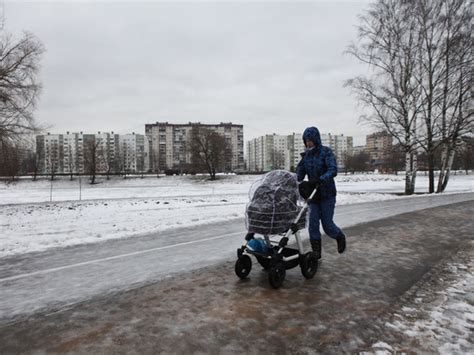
(267,223)
(273,205)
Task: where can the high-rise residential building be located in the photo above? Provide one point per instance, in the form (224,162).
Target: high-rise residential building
(132,149)
(298,148)
(49,149)
(168,144)
(269,152)
(72,153)
(341,146)
(108,150)
(378,146)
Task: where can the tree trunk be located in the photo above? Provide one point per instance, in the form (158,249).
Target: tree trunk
(410,172)
(444,176)
(443,168)
(430,155)
(414,168)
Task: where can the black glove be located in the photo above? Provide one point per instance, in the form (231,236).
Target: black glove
(306,188)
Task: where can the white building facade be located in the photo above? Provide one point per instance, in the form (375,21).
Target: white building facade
(73,153)
(269,152)
(132,152)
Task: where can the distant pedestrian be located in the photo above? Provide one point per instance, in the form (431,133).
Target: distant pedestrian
(319,164)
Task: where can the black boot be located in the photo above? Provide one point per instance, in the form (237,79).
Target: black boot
(341,243)
(316,245)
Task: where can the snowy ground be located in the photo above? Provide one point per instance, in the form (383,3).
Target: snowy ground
(122,208)
(440,315)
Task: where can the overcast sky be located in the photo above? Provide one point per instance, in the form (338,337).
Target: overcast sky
(275,67)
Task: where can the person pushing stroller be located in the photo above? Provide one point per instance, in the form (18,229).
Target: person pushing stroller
(319,164)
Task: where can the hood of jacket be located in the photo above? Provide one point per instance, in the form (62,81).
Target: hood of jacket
(312,134)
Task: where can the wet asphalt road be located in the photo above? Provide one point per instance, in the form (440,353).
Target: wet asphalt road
(208,310)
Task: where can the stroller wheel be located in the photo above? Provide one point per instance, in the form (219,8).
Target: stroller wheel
(309,265)
(276,274)
(243,265)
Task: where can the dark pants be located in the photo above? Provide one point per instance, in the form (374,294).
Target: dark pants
(323,211)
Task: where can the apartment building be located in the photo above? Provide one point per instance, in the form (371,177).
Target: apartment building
(132,148)
(72,153)
(269,152)
(168,144)
(50,153)
(341,146)
(378,146)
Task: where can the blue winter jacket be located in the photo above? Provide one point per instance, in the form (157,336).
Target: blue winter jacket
(318,162)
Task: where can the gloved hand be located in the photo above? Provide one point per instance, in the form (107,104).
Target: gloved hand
(306,188)
(315,183)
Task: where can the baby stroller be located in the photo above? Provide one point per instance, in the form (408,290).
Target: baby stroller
(273,211)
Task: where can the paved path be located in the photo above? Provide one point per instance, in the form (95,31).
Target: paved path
(62,277)
(208,310)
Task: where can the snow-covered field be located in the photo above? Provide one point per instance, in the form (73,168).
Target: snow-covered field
(119,208)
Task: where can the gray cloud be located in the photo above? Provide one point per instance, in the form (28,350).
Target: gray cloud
(274,67)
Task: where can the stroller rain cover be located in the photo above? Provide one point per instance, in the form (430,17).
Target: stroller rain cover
(273,204)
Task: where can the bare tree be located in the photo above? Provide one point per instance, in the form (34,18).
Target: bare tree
(389,44)
(119,162)
(91,157)
(39,159)
(53,159)
(420,51)
(19,86)
(209,150)
(455,93)
(156,164)
(10,159)
(357,162)
(104,161)
(445,67)
(395,159)
(109,165)
(28,164)
(52,166)
(466,154)
(71,162)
